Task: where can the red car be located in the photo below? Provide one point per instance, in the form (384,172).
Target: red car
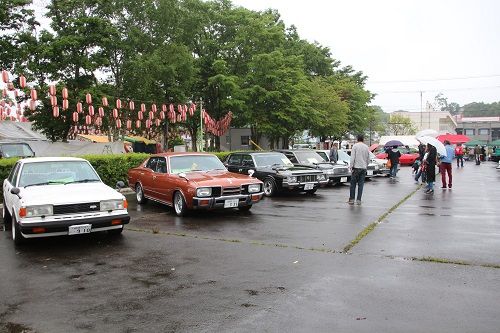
(193,181)
(408,156)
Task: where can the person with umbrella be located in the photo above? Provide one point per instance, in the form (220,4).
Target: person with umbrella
(393,155)
(445,166)
(430,167)
(459,153)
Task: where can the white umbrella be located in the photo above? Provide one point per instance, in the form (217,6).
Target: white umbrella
(434,142)
(427,132)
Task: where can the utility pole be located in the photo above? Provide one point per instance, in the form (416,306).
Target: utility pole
(421,110)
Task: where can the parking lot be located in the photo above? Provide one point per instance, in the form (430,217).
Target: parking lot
(402,261)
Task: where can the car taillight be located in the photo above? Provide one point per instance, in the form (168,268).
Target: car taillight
(22,211)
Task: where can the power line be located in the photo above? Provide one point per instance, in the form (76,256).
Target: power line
(440,79)
(433,90)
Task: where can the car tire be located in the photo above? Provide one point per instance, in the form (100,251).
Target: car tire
(17,237)
(179,204)
(269,187)
(115,232)
(245,208)
(7,218)
(139,194)
(311,192)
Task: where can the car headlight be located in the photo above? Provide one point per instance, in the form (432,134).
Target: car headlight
(253,188)
(321,177)
(108,205)
(329,171)
(291,179)
(204,192)
(33,211)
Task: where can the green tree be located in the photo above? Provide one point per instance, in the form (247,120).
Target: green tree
(401,125)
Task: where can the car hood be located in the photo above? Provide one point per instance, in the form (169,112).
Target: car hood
(292,170)
(222,178)
(59,194)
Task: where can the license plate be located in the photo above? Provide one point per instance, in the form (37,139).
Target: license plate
(343,179)
(231,203)
(79,229)
(308,187)
(369,172)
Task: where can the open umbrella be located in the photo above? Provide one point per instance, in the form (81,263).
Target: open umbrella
(453,138)
(434,142)
(373,147)
(427,132)
(393,143)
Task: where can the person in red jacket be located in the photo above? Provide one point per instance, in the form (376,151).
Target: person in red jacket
(459,153)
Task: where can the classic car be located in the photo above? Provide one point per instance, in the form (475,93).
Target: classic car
(277,172)
(192,181)
(336,173)
(408,155)
(15,149)
(54,196)
(345,159)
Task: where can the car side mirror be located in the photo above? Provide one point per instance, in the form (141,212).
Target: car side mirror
(15,191)
(183,175)
(251,172)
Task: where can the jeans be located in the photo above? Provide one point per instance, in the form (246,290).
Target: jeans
(460,159)
(357,178)
(394,170)
(420,173)
(445,168)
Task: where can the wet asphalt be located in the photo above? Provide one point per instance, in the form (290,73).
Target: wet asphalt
(422,264)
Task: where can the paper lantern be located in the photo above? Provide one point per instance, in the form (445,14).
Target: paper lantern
(162,115)
(153,108)
(75,117)
(33,94)
(143,107)
(91,110)
(88,120)
(65,93)
(164,107)
(10,86)
(52,90)
(4,92)
(65,104)
(79,107)
(88,98)
(32,105)
(115,113)
(105,101)
(55,111)
(98,121)
(151,115)
(5,76)
(140,115)
(101,111)
(131,105)
(129,124)
(148,123)
(118,123)
(118,104)
(171,107)
(179,118)
(138,124)
(53,100)
(157,122)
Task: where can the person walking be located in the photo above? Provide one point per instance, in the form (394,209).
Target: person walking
(430,166)
(477,154)
(393,155)
(360,156)
(445,165)
(459,153)
(422,170)
(334,154)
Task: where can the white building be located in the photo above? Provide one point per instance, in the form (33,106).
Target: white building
(440,121)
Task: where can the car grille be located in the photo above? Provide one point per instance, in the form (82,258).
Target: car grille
(77,208)
(231,190)
(371,167)
(306,178)
(339,171)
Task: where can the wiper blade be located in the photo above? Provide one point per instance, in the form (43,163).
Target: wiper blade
(82,181)
(52,182)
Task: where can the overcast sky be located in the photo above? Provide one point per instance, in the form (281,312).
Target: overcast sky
(406,40)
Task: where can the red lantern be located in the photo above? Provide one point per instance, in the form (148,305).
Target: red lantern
(53,100)
(138,124)
(88,120)
(148,123)
(32,105)
(115,113)
(91,110)
(10,86)
(88,98)
(153,108)
(143,107)
(129,124)
(101,111)
(164,108)
(171,107)
(179,118)
(4,92)
(75,117)
(118,123)
(118,104)
(55,111)
(157,122)
(5,76)
(162,115)
(105,101)
(65,104)
(131,105)
(79,107)
(52,90)
(98,121)
(33,94)
(65,93)
(151,115)
(140,115)
(179,108)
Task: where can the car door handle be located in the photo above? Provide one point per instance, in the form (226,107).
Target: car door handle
(240,170)
(141,173)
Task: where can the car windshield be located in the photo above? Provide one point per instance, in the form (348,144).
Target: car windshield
(323,155)
(189,163)
(16,149)
(308,157)
(343,156)
(262,160)
(57,172)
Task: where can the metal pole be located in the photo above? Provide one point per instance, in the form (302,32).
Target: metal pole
(200,136)
(421,110)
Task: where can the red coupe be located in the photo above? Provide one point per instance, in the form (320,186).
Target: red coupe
(408,156)
(193,181)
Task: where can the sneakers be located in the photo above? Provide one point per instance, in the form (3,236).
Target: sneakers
(350,201)
(449,186)
(358,202)
(443,187)
(428,191)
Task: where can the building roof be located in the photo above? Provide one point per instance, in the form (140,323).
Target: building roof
(477,119)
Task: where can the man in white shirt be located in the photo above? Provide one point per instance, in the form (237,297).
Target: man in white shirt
(360,157)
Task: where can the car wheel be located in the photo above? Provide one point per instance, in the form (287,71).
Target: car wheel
(139,194)
(17,237)
(180,206)
(311,191)
(7,218)
(245,208)
(115,232)
(269,187)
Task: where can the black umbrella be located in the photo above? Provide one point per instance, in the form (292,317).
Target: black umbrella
(393,143)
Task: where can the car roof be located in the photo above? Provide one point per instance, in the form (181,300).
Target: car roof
(50,159)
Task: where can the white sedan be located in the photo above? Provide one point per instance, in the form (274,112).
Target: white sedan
(54,196)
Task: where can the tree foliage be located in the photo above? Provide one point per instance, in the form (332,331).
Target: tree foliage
(401,125)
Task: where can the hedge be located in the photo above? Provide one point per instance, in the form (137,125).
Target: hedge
(111,168)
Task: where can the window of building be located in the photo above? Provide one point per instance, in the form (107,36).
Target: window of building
(484,131)
(245,140)
(469,131)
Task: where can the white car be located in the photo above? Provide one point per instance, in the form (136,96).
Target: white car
(54,196)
